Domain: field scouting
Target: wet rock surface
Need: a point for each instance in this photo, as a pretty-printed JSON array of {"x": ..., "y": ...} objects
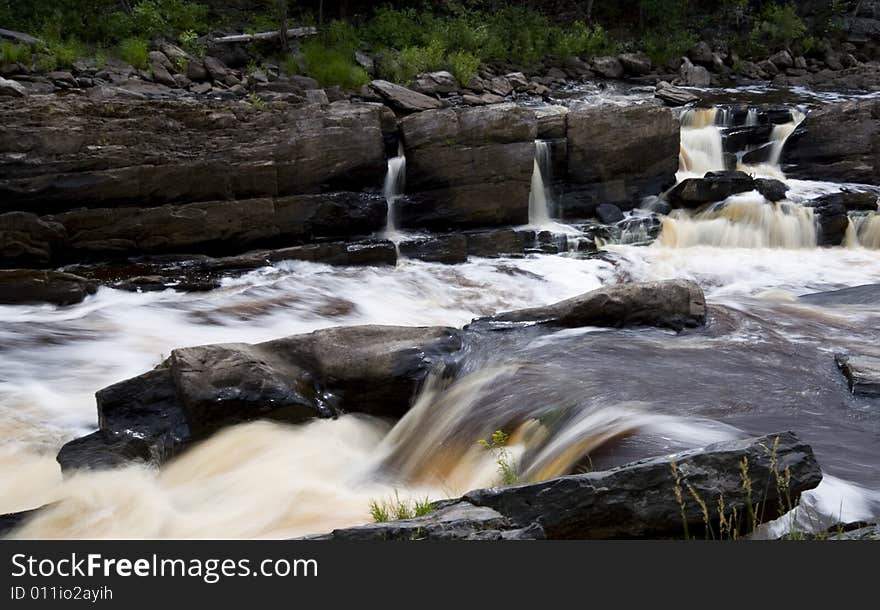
[
  {"x": 862, "y": 373},
  {"x": 22, "y": 286}
]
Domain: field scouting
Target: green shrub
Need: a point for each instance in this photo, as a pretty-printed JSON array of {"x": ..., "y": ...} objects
[
  {"x": 332, "y": 66},
  {"x": 580, "y": 40},
  {"x": 65, "y": 52},
  {"x": 189, "y": 41},
  {"x": 497, "y": 446},
  {"x": 290, "y": 65},
  {"x": 778, "y": 26},
  {"x": 11, "y": 53},
  {"x": 414, "y": 60},
  {"x": 395, "y": 29},
  {"x": 134, "y": 51},
  {"x": 662, "y": 47},
  {"x": 463, "y": 66}
]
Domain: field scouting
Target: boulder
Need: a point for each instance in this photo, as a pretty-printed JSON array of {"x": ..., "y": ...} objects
[
  {"x": 18, "y": 286},
  {"x": 853, "y": 201},
  {"x": 714, "y": 186},
  {"x": 518, "y": 81},
  {"x": 551, "y": 121},
  {"x": 602, "y": 142},
  {"x": 434, "y": 83},
  {"x": 365, "y": 61},
  {"x": 468, "y": 167},
  {"x": 609, "y": 67},
  {"x": 499, "y": 85},
  {"x": 772, "y": 190},
  {"x": 484, "y": 99},
  {"x": 694, "y": 76},
  {"x": 366, "y": 369},
  {"x": 837, "y": 142},
  {"x": 702, "y": 54},
  {"x": 638, "y": 500},
  {"x": 608, "y": 213},
  {"x": 217, "y": 70},
  {"x": 636, "y": 64},
  {"x": 19, "y": 37},
  {"x": 673, "y": 304},
  {"x": 862, "y": 373},
  {"x": 782, "y": 60},
  {"x": 402, "y": 99},
  {"x": 162, "y": 75},
  {"x": 674, "y": 96},
  {"x": 831, "y": 218},
  {"x": 498, "y": 242},
  {"x": 448, "y": 249},
  {"x": 11, "y": 88}
]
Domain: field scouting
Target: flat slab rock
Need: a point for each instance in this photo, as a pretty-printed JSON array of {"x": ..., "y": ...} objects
[
  {"x": 637, "y": 500},
  {"x": 862, "y": 373}
]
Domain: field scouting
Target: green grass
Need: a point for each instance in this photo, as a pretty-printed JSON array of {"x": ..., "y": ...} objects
[
  {"x": 134, "y": 51},
  {"x": 464, "y": 66},
  {"x": 11, "y": 53},
  {"x": 395, "y": 509},
  {"x": 333, "y": 66}
]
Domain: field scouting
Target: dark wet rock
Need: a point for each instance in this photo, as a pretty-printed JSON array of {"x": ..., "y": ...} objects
[
  {"x": 772, "y": 190},
  {"x": 499, "y": 242},
  {"x": 638, "y": 500},
  {"x": 602, "y": 143},
  {"x": 366, "y": 369},
  {"x": 831, "y": 219},
  {"x": 782, "y": 59},
  {"x": 853, "y": 201},
  {"x": 448, "y": 249},
  {"x": 28, "y": 240},
  {"x": 29, "y": 286},
  {"x": 758, "y": 155},
  {"x": 636, "y": 64},
  {"x": 12, "y": 521},
  {"x": 867, "y": 294},
  {"x": 837, "y": 142},
  {"x": 608, "y": 213},
  {"x": 403, "y": 99},
  {"x": 674, "y": 304},
  {"x": 468, "y": 167},
  {"x": 674, "y": 96},
  {"x": 609, "y": 67},
  {"x": 714, "y": 186},
  {"x": 745, "y": 137},
  {"x": 862, "y": 373}
]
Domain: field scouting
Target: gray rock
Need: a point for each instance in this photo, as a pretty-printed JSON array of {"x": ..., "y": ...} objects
[
  {"x": 608, "y": 213},
  {"x": 499, "y": 85},
  {"x": 316, "y": 96},
  {"x": 674, "y": 96},
  {"x": 196, "y": 71},
  {"x": 162, "y": 76},
  {"x": 27, "y": 239},
  {"x": 19, "y": 37},
  {"x": 485, "y": 99},
  {"x": 498, "y": 242},
  {"x": 862, "y": 373},
  {"x": 217, "y": 70},
  {"x": 609, "y": 67},
  {"x": 782, "y": 60},
  {"x": 403, "y": 99},
  {"x": 636, "y": 64},
  {"x": 11, "y": 88},
  {"x": 365, "y": 61},
  {"x": 673, "y": 304},
  {"x": 694, "y": 76},
  {"x": 768, "y": 67},
  {"x": 702, "y": 54},
  {"x": 552, "y": 121},
  {"x": 518, "y": 81},
  {"x": 448, "y": 249},
  {"x": 714, "y": 186},
  {"x": 772, "y": 190},
  {"x": 19, "y": 286},
  {"x": 434, "y": 83},
  {"x": 832, "y": 220},
  {"x": 157, "y": 58}
]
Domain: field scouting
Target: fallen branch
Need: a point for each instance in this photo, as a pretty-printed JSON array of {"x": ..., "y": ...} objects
[{"x": 299, "y": 32}]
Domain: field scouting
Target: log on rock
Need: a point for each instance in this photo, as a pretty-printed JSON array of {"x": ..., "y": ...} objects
[
  {"x": 198, "y": 390},
  {"x": 675, "y": 304},
  {"x": 18, "y": 286},
  {"x": 299, "y": 32},
  {"x": 637, "y": 500}
]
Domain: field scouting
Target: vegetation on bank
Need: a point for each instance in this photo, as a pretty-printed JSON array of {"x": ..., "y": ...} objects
[{"x": 458, "y": 36}]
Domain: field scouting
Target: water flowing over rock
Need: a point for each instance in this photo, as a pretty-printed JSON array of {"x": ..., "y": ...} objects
[
  {"x": 637, "y": 500},
  {"x": 714, "y": 186},
  {"x": 675, "y": 304}
]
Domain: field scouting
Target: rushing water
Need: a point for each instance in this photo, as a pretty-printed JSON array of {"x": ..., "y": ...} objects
[
  {"x": 573, "y": 399},
  {"x": 393, "y": 189}
]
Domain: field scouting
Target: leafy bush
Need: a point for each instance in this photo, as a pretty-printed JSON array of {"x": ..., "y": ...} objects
[
  {"x": 394, "y": 29},
  {"x": 463, "y": 66},
  {"x": 332, "y": 66},
  {"x": 65, "y": 52},
  {"x": 778, "y": 26},
  {"x": 663, "y": 47},
  {"x": 497, "y": 446},
  {"x": 190, "y": 43},
  {"x": 414, "y": 60},
  {"x": 580, "y": 40},
  {"x": 11, "y": 53},
  {"x": 134, "y": 51}
]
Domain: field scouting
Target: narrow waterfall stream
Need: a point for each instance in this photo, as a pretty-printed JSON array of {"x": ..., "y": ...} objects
[
  {"x": 393, "y": 188},
  {"x": 541, "y": 195}
]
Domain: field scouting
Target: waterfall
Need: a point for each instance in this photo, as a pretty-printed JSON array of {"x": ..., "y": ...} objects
[
  {"x": 867, "y": 230},
  {"x": 540, "y": 196},
  {"x": 752, "y": 117},
  {"x": 395, "y": 182},
  {"x": 742, "y": 221},
  {"x": 778, "y": 137},
  {"x": 702, "y": 147}
]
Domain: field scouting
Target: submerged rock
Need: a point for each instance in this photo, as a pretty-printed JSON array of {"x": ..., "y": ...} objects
[
  {"x": 637, "y": 500},
  {"x": 674, "y": 304},
  {"x": 18, "y": 286},
  {"x": 862, "y": 373}
]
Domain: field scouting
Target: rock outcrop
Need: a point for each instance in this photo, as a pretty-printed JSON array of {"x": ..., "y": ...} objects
[
  {"x": 637, "y": 500},
  {"x": 19, "y": 286},
  {"x": 618, "y": 155},
  {"x": 862, "y": 372}
]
